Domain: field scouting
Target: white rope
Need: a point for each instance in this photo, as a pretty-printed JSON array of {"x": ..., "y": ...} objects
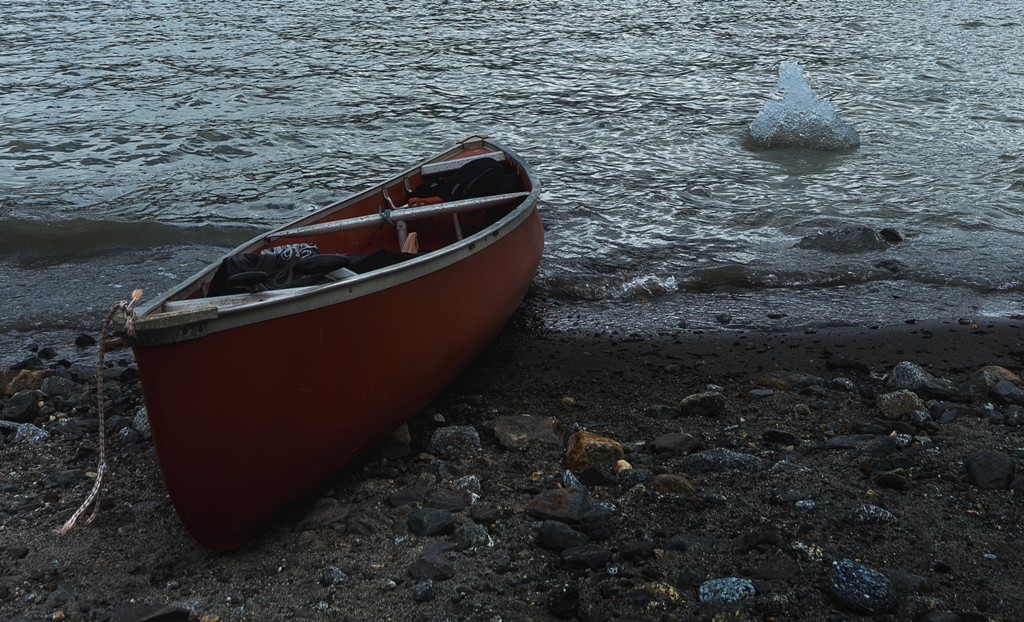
[{"x": 125, "y": 306}]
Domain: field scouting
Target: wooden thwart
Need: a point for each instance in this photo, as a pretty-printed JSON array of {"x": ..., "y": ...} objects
[{"x": 406, "y": 213}]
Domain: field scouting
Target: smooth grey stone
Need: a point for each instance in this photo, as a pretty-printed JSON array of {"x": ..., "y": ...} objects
[
  {"x": 990, "y": 470},
  {"x": 1008, "y": 393},
  {"x": 57, "y": 386},
  {"x": 584, "y": 557},
  {"x": 558, "y": 536},
  {"x": 432, "y": 567},
  {"x": 431, "y": 521}
]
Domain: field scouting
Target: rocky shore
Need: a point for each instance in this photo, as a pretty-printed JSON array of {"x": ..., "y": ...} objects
[{"x": 835, "y": 474}]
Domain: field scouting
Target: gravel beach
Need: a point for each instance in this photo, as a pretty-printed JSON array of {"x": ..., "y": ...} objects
[{"x": 829, "y": 474}]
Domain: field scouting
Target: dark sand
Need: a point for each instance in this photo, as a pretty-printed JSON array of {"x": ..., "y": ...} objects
[{"x": 952, "y": 548}]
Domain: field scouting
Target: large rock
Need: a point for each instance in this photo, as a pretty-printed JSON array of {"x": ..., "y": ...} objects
[
  {"x": 586, "y": 449},
  {"x": 1008, "y": 393},
  {"x": 907, "y": 375},
  {"x": 982, "y": 381},
  {"x": 57, "y": 386},
  {"x": 25, "y": 380},
  {"x": 519, "y": 431},
  {"x": 990, "y": 470}
]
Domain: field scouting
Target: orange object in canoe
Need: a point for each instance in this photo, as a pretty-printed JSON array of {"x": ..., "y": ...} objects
[{"x": 255, "y": 397}]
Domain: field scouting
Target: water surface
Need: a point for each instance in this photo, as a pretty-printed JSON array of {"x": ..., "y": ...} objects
[{"x": 139, "y": 141}]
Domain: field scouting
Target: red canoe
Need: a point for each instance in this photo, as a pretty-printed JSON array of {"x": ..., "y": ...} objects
[{"x": 254, "y": 397}]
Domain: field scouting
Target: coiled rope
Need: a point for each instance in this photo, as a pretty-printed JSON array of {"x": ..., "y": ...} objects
[{"x": 125, "y": 307}]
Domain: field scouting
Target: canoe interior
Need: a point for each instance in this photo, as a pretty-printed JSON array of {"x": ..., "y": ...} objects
[{"x": 433, "y": 233}]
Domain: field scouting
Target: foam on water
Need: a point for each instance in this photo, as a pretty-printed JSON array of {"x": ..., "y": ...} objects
[{"x": 799, "y": 118}]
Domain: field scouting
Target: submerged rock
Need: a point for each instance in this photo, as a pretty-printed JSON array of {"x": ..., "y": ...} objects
[{"x": 844, "y": 240}]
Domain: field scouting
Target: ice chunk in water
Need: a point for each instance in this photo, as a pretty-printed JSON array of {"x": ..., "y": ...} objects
[{"x": 800, "y": 118}]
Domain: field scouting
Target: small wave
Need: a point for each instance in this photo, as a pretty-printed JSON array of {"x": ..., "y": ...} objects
[
  {"x": 800, "y": 118},
  {"x": 69, "y": 240}
]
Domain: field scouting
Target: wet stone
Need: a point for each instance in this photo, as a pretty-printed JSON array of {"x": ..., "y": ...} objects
[
  {"x": 64, "y": 479},
  {"x": 424, "y": 591},
  {"x": 458, "y": 441},
  {"x": 720, "y": 459},
  {"x": 568, "y": 505},
  {"x": 1008, "y": 393},
  {"x": 56, "y": 386},
  {"x": 907, "y": 375},
  {"x": 326, "y": 511},
  {"x": 584, "y": 557},
  {"x": 559, "y": 536},
  {"x": 413, "y": 495},
  {"x": 432, "y": 567},
  {"x": 784, "y": 381},
  {"x": 431, "y": 522},
  {"x": 661, "y": 411},
  {"x": 708, "y": 404},
  {"x": 862, "y": 588},
  {"x": 332, "y": 576},
  {"x": 780, "y": 437},
  {"x": 517, "y": 432},
  {"x": 838, "y": 361},
  {"x": 586, "y": 449},
  {"x": 899, "y": 403},
  {"x": 777, "y": 567},
  {"x": 990, "y": 470},
  {"x": 675, "y": 443},
  {"x": 447, "y": 501},
  {"x": 637, "y": 551},
  {"x": 22, "y": 407},
  {"x": 484, "y": 514},
  {"x": 727, "y": 590},
  {"x": 115, "y": 424},
  {"x": 869, "y": 515},
  {"x": 471, "y": 536},
  {"x": 672, "y": 484},
  {"x": 564, "y": 601},
  {"x": 629, "y": 478},
  {"x": 940, "y": 389}
]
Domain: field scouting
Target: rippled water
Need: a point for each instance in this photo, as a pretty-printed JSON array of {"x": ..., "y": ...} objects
[{"x": 138, "y": 140}]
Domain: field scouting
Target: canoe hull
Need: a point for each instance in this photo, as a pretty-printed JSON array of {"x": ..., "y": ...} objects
[{"x": 247, "y": 419}]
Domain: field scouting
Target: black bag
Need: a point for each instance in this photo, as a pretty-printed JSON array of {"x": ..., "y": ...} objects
[{"x": 482, "y": 177}]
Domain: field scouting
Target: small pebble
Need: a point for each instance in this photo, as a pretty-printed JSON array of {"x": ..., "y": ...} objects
[{"x": 725, "y": 590}]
